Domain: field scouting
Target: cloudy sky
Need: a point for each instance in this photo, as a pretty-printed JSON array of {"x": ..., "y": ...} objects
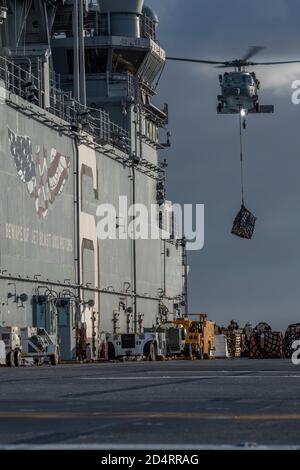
[{"x": 231, "y": 278}]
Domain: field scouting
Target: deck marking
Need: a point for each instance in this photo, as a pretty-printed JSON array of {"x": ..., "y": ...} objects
[
  {"x": 137, "y": 415},
  {"x": 168, "y": 377}
]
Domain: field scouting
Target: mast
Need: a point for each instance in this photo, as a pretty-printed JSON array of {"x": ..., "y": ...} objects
[
  {"x": 82, "y": 82},
  {"x": 76, "y": 50}
]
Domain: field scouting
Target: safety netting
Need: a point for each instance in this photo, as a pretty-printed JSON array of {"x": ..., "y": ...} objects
[{"x": 244, "y": 224}]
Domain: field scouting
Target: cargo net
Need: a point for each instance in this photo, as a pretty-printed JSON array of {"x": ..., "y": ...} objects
[
  {"x": 244, "y": 224},
  {"x": 292, "y": 334},
  {"x": 265, "y": 343},
  {"x": 246, "y": 336}
]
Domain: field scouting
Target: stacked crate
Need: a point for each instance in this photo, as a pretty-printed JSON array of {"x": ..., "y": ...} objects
[
  {"x": 234, "y": 343},
  {"x": 234, "y": 339}
]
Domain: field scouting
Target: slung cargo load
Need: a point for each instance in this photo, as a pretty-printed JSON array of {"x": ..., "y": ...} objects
[{"x": 244, "y": 224}]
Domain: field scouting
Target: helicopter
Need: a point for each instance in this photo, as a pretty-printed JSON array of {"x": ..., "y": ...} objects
[{"x": 239, "y": 88}]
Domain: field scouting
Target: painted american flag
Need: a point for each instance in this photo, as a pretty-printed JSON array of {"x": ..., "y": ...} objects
[{"x": 45, "y": 176}]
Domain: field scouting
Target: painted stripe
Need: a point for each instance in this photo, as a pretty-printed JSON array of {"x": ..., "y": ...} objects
[
  {"x": 178, "y": 377},
  {"x": 258, "y": 416}
]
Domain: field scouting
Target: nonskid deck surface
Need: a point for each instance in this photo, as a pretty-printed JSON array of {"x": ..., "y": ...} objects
[{"x": 225, "y": 402}]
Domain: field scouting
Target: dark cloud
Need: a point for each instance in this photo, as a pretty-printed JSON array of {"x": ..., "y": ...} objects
[{"x": 231, "y": 278}]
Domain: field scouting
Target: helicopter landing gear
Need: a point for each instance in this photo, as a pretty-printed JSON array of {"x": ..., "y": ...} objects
[
  {"x": 220, "y": 107},
  {"x": 244, "y": 123},
  {"x": 257, "y": 107}
]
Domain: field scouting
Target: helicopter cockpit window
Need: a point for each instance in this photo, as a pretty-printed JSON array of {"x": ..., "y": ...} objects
[
  {"x": 236, "y": 78},
  {"x": 247, "y": 79}
]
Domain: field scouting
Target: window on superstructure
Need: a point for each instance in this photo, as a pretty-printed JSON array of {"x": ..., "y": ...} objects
[
  {"x": 151, "y": 130},
  {"x": 95, "y": 60},
  {"x": 127, "y": 61}
]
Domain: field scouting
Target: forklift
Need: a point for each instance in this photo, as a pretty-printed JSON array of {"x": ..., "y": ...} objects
[{"x": 199, "y": 338}]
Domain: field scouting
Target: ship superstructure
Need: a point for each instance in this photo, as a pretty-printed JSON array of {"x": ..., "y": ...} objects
[{"x": 79, "y": 129}]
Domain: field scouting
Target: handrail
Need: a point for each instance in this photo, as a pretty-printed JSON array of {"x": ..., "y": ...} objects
[
  {"x": 21, "y": 81},
  {"x": 95, "y": 26}
]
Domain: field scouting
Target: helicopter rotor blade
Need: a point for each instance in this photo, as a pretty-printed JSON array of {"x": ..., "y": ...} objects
[
  {"x": 275, "y": 63},
  {"x": 252, "y": 51},
  {"x": 235, "y": 63},
  {"x": 227, "y": 65},
  {"x": 197, "y": 61}
]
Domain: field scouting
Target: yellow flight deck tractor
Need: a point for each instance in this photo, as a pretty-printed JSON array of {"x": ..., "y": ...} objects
[{"x": 193, "y": 339}]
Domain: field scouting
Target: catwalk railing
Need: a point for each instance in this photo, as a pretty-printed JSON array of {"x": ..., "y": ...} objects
[
  {"x": 98, "y": 25},
  {"x": 28, "y": 81}
]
